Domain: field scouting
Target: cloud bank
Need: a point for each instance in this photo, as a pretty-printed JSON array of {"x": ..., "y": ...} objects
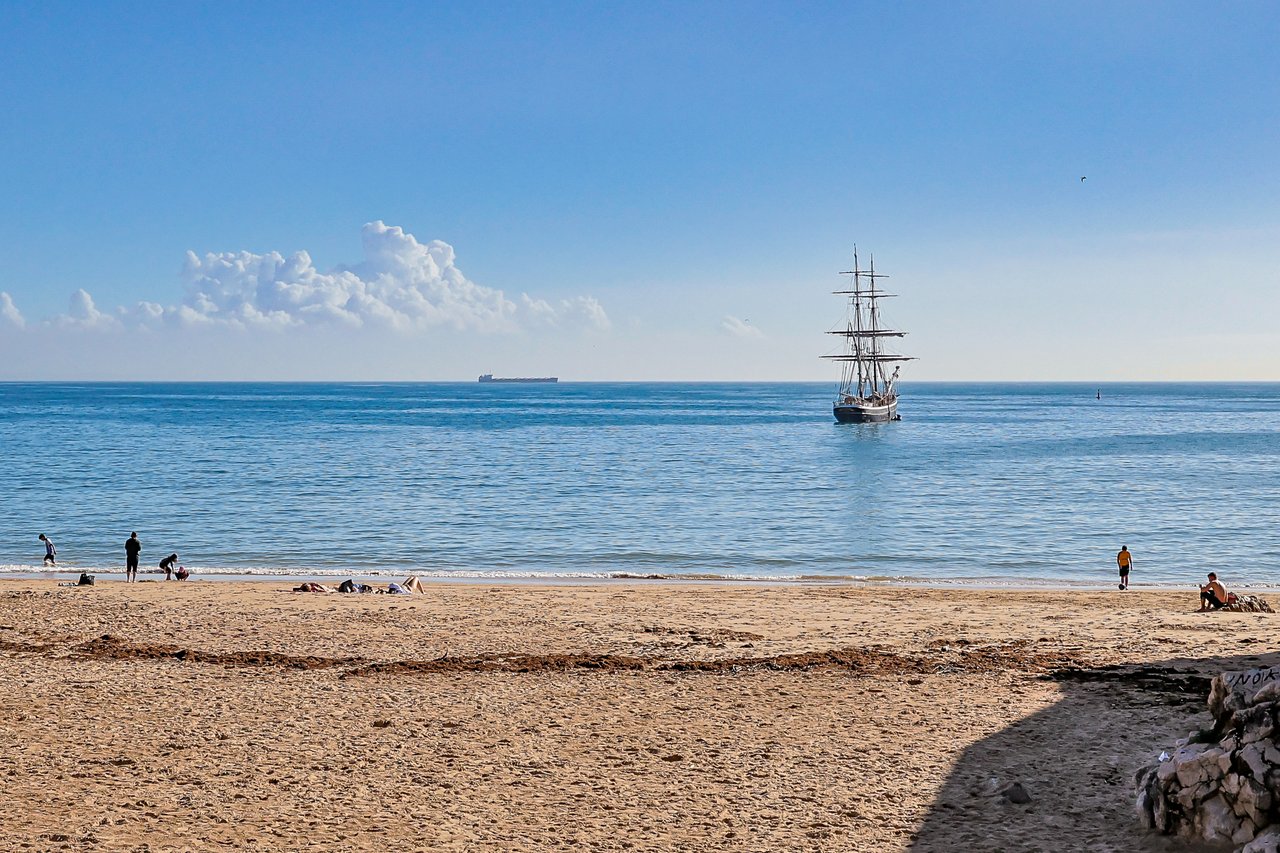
[{"x": 401, "y": 284}]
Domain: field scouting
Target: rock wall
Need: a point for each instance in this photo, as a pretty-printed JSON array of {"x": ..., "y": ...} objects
[{"x": 1223, "y": 786}]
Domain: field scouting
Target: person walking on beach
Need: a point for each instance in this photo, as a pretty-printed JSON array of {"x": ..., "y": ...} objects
[
  {"x": 167, "y": 564},
  {"x": 131, "y": 548},
  {"x": 1125, "y": 561},
  {"x": 50, "y": 551},
  {"x": 1213, "y": 595}
]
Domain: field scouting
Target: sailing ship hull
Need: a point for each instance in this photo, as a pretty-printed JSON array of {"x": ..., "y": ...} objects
[{"x": 855, "y": 413}]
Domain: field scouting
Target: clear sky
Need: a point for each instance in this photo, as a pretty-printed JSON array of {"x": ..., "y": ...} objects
[{"x": 636, "y": 191}]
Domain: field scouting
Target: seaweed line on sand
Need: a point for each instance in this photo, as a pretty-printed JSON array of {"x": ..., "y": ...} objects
[{"x": 1010, "y": 657}]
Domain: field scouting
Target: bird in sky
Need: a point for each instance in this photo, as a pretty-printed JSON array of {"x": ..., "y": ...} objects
[{"x": 1082, "y": 178}]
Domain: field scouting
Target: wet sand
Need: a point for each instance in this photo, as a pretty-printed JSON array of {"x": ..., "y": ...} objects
[{"x": 615, "y": 716}]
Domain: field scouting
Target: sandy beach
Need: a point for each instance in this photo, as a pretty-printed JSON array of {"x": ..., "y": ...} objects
[{"x": 613, "y": 716}]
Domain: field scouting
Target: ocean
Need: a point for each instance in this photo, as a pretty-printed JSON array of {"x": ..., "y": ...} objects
[{"x": 978, "y": 483}]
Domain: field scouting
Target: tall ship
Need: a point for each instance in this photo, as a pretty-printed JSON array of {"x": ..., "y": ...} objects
[
  {"x": 489, "y": 377},
  {"x": 867, "y": 391}
]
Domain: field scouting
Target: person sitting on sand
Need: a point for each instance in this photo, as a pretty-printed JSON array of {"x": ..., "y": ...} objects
[
  {"x": 1213, "y": 595},
  {"x": 167, "y": 564}
]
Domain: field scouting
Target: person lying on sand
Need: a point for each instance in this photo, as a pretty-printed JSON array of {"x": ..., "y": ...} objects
[
  {"x": 412, "y": 584},
  {"x": 308, "y": 586},
  {"x": 1213, "y": 596}
]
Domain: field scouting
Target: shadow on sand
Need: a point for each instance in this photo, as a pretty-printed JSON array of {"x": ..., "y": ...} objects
[{"x": 1077, "y": 761}]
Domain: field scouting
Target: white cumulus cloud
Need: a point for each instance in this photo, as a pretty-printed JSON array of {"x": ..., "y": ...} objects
[
  {"x": 84, "y": 314},
  {"x": 739, "y": 328},
  {"x": 400, "y": 284},
  {"x": 9, "y": 313}
]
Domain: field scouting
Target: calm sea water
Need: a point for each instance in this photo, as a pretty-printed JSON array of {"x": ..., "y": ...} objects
[{"x": 994, "y": 482}]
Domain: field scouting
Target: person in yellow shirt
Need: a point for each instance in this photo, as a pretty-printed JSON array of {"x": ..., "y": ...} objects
[{"x": 1125, "y": 561}]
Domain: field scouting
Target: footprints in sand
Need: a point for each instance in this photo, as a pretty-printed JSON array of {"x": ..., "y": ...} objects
[{"x": 716, "y": 638}]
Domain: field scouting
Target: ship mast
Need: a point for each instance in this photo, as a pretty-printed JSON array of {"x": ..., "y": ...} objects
[
  {"x": 855, "y": 340},
  {"x": 877, "y": 372},
  {"x": 864, "y": 357}
]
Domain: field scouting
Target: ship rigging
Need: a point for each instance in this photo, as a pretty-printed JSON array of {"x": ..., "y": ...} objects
[{"x": 867, "y": 392}]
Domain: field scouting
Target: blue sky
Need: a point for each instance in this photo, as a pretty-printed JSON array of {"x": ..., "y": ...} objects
[{"x": 639, "y": 191}]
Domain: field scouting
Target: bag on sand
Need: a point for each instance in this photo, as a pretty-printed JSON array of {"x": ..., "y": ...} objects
[{"x": 86, "y": 579}]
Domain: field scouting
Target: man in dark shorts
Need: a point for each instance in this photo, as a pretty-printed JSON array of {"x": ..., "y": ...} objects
[
  {"x": 1125, "y": 561},
  {"x": 1213, "y": 595},
  {"x": 131, "y": 548},
  {"x": 50, "y": 552}
]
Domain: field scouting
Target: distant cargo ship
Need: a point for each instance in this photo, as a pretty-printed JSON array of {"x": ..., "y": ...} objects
[{"x": 489, "y": 377}]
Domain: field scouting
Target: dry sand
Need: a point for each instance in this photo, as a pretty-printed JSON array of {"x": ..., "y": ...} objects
[{"x": 618, "y": 716}]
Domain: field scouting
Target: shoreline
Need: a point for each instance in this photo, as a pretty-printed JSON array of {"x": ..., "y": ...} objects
[{"x": 624, "y": 578}]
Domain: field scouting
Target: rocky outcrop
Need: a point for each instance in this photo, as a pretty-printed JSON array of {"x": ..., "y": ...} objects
[{"x": 1223, "y": 785}]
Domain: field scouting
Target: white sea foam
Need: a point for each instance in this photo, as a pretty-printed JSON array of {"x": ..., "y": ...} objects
[{"x": 265, "y": 573}]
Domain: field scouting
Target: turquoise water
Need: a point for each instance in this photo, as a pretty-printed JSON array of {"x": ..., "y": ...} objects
[{"x": 992, "y": 482}]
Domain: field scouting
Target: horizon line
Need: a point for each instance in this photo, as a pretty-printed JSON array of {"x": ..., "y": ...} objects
[{"x": 1087, "y": 382}]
